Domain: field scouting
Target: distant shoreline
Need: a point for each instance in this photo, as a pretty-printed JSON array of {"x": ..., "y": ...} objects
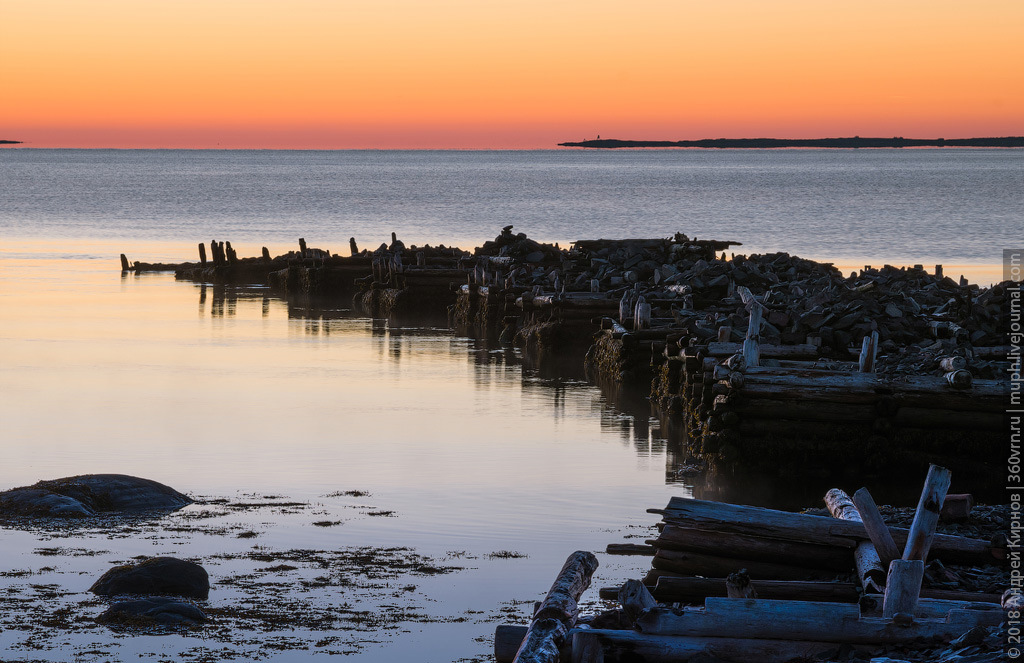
[
  {"x": 10, "y": 142},
  {"x": 762, "y": 143}
]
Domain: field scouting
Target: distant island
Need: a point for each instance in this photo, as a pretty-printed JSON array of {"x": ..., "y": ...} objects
[
  {"x": 10, "y": 142},
  {"x": 761, "y": 143}
]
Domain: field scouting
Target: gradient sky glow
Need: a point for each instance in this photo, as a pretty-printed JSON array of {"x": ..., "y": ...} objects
[{"x": 528, "y": 74}]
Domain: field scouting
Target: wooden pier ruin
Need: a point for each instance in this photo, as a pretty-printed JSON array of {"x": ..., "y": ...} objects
[{"x": 759, "y": 357}]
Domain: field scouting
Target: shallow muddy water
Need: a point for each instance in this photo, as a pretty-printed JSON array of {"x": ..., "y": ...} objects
[{"x": 447, "y": 448}]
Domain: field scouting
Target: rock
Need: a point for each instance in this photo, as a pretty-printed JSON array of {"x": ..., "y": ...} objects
[
  {"x": 157, "y": 575},
  {"x": 161, "y": 610},
  {"x": 90, "y": 494}
]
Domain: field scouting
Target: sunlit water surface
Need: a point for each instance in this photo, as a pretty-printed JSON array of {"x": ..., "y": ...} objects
[
  {"x": 228, "y": 397},
  {"x": 238, "y": 397}
]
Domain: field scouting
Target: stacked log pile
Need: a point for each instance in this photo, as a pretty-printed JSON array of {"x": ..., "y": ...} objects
[{"x": 740, "y": 570}]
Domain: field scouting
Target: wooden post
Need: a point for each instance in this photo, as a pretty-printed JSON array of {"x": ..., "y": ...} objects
[
  {"x": 922, "y": 530},
  {"x": 302, "y": 248},
  {"x": 752, "y": 352},
  {"x": 880, "y": 535},
  {"x": 558, "y": 611},
  {"x": 352, "y": 245},
  {"x": 266, "y": 253},
  {"x": 202, "y": 254},
  {"x": 865, "y": 557},
  {"x": 643, "y": 316},
  {"x": 868, "y": 352},
  {"x": 938, "y": 271},
  {"x": 625, "y": 307},
  {"x": 902, "y": 587},
  {"x": 595, "y": 285},
  {"x": 124, "y": 263}
]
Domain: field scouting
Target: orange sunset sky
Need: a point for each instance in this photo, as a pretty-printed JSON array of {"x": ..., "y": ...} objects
[{"x": 527, "y": 74}]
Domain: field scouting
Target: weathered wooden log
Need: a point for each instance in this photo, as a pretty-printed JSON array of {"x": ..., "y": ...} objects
[
  {"x": 802, "y": 351},
  {"x": 949, "y": 364},
  {"x": 635, "y": 599},
  {"x": 691, "y": 563},
  {"x": 920, "y": 417},
  {"x": 689, "y": 590},
  {"x": 960, "y": 379},
  {"x": 202, "y": 254},
  {"x": 558, "y": 611},
  {"x": 266, "y": 253},
  {"x": 630, "y": 549},
  {"x": 956, "y": 507},
  {"x": 758, "y": 521},
  {"x": 771, "y": 408},
  {"x": 873, "y": 605},
  {"x": 542, "y": 642},
  {"x": 861, "y": 382},
  {"x": 747, "y": 547},
  {"x": 614, "y": 646},
  {"x": 507, "y": 640},
  {"x": 669, "y": 588},
  {"x": 804, "y": 620},
  {"x": 876, "y": 528},
  {"x": 902, "y": 587},
  {"x": 869, "y": 567},
  {"x": 922, "y": 529}
]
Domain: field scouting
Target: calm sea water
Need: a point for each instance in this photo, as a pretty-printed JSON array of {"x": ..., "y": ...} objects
[
  {"x": 238, "y": 395},
  {"x": 896, "y": 206}
]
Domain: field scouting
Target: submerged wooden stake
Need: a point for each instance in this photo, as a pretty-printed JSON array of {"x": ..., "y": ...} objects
[
  {"x": 124, "y": 263},
  {"x": 202, "y": 254}
]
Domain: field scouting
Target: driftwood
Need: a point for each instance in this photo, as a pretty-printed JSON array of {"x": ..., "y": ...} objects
[
  {"x": 635, "y": 599},
  {"x": 689, "y": 589},
  {"x": 630, "y": 549},
  {"x": 876, "y": 528},
  {"x": 902, "y": 587},
  {"x": 922, "y": 530},
  {"x": 558, "y": 611},
  {"x": 757, "y": 521},
  {"x": 804, "y": 620},
  {"x": 690, "y": 563},
  {"x": 744, "y": 546},
  {"x": 869, "y": 567}
]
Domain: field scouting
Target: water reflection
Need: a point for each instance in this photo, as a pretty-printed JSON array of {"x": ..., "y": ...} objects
[{"x": 553, "y": 385}]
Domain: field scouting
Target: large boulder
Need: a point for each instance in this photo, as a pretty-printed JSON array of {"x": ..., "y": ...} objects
[
  {"x": 161, "y": 610},
  {"x": 156, "y": 575},
  {"x": 89, "y": 495}
]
